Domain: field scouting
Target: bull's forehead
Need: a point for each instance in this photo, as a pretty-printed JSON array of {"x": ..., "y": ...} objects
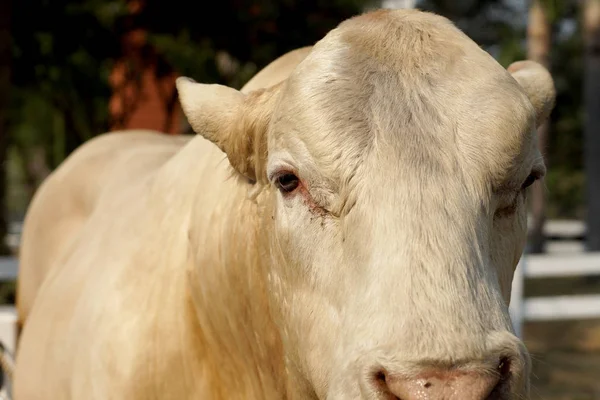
[{"x": 411, "y": 83}]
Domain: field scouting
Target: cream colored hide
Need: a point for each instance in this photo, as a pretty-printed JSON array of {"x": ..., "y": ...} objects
[
  {"x": 65, "y": 201},
  {"x": 70, "y": 204},
  {"x": 362, "y": 246}
]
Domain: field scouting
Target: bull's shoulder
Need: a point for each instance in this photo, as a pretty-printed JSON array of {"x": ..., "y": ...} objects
[
  {"x": 97, "y": 163},
  {"x": 66, "y": 199}
]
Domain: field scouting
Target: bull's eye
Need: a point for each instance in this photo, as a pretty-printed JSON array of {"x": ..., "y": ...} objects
[
  {"x": 287, "y": 182},
  {"x": 529, "y": 181}
]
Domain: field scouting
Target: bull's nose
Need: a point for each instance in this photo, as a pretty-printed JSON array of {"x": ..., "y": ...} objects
[{"x": 444, "y": 384}]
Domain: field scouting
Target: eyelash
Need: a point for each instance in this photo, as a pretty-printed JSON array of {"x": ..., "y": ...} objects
[
  {"x": 531, "y": 179},
  {"x": 509, "y": 210},
  {"x": 289, "y": 184}
]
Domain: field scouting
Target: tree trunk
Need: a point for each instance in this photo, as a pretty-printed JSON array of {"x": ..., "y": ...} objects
[
  {"x": 538, "y": 49},
  {"x": 5, "y": 62},
  {"x": 591, "y": 91}
]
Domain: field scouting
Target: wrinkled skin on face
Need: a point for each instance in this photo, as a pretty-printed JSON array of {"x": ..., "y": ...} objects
[{"x": 391, "y": 171}]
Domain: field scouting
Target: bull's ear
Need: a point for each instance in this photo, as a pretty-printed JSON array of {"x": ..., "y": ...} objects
[
  {"x": 235, "y": 122},
  {"x": 538, "y": 85}
]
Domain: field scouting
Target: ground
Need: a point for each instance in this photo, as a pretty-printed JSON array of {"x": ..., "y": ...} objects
[{"x": 565, "y": 354}]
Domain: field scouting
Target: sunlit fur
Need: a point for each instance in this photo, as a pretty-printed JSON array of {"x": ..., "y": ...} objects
[{"x": 192, "y": 280}]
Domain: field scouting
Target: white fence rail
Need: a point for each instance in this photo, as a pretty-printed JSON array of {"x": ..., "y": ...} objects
[
  {"x": 554, "y": 307},
  {"x": 8, "y": 268},
  {"x": 8, "y": 316}
]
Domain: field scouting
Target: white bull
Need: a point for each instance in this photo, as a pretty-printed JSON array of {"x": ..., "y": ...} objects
[{"x": 359, "y": 243}]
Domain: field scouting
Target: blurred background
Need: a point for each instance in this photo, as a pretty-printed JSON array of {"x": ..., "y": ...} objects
[{"x": 70, "y": 70}]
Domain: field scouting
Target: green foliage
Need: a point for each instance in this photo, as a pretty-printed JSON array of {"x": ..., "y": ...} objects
[
  {"x": 252, "y": 33},
  {"x": 565, "y": 189},
  {"x": 63, "y": 53},
  {"x": 61, "y": 61},
  {"x": 487, "y": 22},
  {"x": 566, "y": 183}
]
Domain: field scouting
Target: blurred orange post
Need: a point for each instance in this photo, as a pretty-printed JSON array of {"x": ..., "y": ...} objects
[{"x": 141, "y": 98}]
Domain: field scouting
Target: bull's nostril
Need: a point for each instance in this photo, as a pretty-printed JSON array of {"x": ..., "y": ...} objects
[
  {"x": 504, "y": 368},
  {"x": 504, "y": 372},
  {"x": 381, "y": 382}
]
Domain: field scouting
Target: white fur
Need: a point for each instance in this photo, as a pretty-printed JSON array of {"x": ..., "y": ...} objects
[{"x": 396, "y": 254}]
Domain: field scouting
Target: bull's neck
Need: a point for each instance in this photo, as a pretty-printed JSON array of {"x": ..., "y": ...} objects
[{"x": 229, "y": 287}]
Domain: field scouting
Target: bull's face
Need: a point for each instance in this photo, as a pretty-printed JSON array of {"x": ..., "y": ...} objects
[{"x": 398, "y": 157}]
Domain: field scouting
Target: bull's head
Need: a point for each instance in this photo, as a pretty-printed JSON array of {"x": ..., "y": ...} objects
[{"x": 394, "y": 164}]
